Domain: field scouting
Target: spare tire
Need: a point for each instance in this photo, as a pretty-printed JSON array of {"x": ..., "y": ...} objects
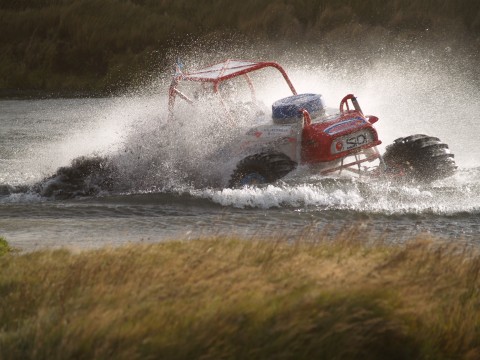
[
  {"x": 288, "y": 110},
  {"x": 420, "y": 158},
  {"x": 261, "y": 168}
]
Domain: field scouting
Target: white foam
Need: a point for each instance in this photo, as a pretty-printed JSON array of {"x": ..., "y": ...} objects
[
  {"x": 444, "y": 197},
  {"x": 280, "y": 196}
]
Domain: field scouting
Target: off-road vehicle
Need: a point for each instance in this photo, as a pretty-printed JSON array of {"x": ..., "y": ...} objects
[{"x": 302, "y": 130}]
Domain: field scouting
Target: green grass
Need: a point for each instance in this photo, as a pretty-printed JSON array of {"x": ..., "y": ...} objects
[
  {"x": 342, "y": 298},
  {"x": 4, "y": 246},
  {"x": 97, "y": 46}
]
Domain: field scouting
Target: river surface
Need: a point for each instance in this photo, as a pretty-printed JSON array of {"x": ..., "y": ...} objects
[{"x": 169, "y": 185}]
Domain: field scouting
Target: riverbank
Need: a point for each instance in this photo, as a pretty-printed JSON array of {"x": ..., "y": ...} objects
[
  {"x": 105, "y": 47},
  {"x": 349, "y": 297}
]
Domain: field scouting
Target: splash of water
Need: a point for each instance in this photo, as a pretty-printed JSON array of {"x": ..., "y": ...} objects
[{"x": 410, "y": 92}]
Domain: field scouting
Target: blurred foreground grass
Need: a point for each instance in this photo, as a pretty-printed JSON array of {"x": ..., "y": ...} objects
[{"x": 218, "y": 298}]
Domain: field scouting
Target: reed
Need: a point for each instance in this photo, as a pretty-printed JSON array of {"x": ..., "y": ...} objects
[{"x": 348, "y": 297}]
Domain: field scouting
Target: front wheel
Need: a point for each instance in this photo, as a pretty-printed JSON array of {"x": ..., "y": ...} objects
[
  {"x": 420, "y": 158},
  {"x": 261, "y": 168}
]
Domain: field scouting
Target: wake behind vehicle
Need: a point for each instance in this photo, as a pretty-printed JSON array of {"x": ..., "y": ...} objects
[{"x": 301, "y": 130}]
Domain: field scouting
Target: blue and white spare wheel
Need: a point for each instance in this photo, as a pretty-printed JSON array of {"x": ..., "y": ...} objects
[{"x": 288, "y": 110}]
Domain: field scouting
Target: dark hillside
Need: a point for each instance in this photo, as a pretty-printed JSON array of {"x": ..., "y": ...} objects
[{"x": 95, "y": 46}]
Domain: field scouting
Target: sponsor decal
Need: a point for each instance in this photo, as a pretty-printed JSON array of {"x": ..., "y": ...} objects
[
  {"x": 345, "y": 125},
  {"x": 352, "y": 141},
  {"x": 271, "y": 132},
  {"x": 254, "y": 132},
  {"x": 356, "y": 141}
]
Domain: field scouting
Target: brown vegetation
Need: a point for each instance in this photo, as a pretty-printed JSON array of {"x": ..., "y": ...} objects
[
  {"x": 342, "y": 298},
  {"x": 97, "y": 46}
]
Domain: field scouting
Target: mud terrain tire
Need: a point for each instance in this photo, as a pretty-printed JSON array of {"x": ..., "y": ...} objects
[
  {"x": 86, "y": 176},
  {"x": 261, "y": 168},
  {"x": 421, "y": 158}
]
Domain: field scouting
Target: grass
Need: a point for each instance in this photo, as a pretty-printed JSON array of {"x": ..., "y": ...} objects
[
  {"x": 89, "y": 46},
  {"x": 342, "y": 298},
  {"x": 4, "y": 247}
]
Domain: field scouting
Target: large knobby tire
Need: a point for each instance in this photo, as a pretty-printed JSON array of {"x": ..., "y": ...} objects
[
  {"x": 261, "y": 168},
  {"x": 86, "y": 176},
  {"x": 420, "y": 158}
]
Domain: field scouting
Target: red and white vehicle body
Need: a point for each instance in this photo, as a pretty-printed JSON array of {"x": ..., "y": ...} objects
[{"x": 300, "y": 128}]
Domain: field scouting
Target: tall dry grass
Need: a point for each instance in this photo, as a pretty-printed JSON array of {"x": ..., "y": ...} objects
[{"x": 342, "y": 298}]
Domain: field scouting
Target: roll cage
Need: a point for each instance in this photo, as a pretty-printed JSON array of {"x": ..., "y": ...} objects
[{"x": 216, "y": 74}]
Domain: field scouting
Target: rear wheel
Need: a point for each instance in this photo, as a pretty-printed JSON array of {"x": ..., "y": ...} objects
[
  {"x": 420, "y": 158},
  {"x": 261, "y": 168}
]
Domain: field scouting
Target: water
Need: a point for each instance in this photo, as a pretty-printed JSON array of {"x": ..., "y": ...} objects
[{"x": 169, "y": 183}]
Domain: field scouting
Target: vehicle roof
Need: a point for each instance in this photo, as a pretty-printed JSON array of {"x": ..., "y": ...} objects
[
  {"x": 217, "y": 73},
  {"x": 221, "y": 71},
  {"x": 227, "y": 69}
]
